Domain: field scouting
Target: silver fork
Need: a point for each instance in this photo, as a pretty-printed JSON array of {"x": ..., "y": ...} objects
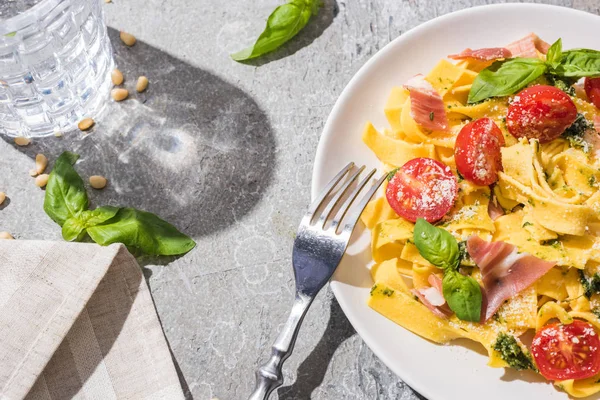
[{"x": 318, "y": 250}]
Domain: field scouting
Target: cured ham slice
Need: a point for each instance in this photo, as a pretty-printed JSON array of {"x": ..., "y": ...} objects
[
  {"x": 433, "y": 298},
  {"x": 487, "y": 54},
  {"x": 528, "y": 46},
  {"x": 426, "y": 105},
  {"x": 505, "y": 272},
  {"x": 494, "y": 210},
  {"x": 597, "y": 123}
]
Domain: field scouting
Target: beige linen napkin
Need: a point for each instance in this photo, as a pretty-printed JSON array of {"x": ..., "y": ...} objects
[{"x": 77, "y": 321}]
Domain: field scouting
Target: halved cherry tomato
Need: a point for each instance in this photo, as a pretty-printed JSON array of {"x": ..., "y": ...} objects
[
  {"x": 477, "y": 151},
  {"x": 540, "y": 112},
  {"x": 422, "y": 188},
  {"x": 567, "y": 351},
  {"x": 592, "y": 90}
]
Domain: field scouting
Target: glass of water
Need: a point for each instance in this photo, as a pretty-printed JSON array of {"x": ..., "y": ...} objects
[{"x": 55, "y": 65}]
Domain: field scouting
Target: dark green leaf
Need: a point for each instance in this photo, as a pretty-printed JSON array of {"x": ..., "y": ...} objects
[
  {"x": 436, "y": 245},
  {"x": 504, "y": 78},
  {"x": 554, "y": 54},
  {"x": 578, "y": 63},
  {"x": 463, "y": 295},
  {"x": 283, "y": 24},
  {"x": 65, "y": 194},
  {"x": 141, "y": 230},
  {"x": 75, "y": 227}
]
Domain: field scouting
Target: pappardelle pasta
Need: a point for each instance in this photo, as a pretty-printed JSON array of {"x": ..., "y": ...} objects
[{"x": 490, "y": 223}]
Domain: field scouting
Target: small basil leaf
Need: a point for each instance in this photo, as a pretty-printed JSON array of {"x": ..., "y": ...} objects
[
  {"x": 554, "y": 54},
  {"x": 282, "y": 25},
  {"x": 579, "y": 63},
  {"x": 504, "y": 78},
  {"x": 391, "y": 174},
  {"x": 75, "y": 227},
  {"x": 463, "y": 295},
  {"x": 65, "y": 194},
  {"x": 436, "y": 245},
  {"x": 141, "y": 230}
]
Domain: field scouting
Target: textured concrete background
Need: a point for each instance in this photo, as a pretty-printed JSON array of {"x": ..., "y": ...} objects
[{"x": 225, "y": 151}]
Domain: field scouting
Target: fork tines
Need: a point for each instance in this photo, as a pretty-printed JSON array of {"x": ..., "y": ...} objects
[{"x": 334, "y": 202}]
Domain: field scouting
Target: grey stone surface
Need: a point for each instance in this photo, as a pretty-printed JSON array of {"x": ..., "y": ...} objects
[{"x": 225, "y": 151}]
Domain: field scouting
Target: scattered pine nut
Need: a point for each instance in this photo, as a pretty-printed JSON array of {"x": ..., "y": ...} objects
[
  {"x": 6, "y": 235},
  {"x": 108, "y": 1},
  {"x": 57, "y": 132},
  {"x": 33, "y": 172},
  {"x": 119, "y": 94},
  {"x": 116, "y": 76},
  {"x": 85, "y": 124},
  {"x": 142, "y": 84},
  {"x": 127, "y": 38},
  {"x": 22, "y": 141},
  {"x": 98, "y": 181},
  {"x": 41, "y": 180},
  {"x": 41, "y": 162},
  {"x": 2, "y": 197}
]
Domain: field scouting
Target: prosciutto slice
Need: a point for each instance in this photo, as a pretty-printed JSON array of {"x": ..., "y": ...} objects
[
  {"x": 505, "y": 272},
  {"x": 528, "y": 46},
  {"x": 433, "y": 298},
  {"x": 426, "y": 105},
  {"x": 495, "y": 211},
  {"x": 597, "y": 123},
  {"x": 487, "y": 54}
]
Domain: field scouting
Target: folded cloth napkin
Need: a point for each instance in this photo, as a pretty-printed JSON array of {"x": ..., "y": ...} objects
[{"x": 77, "y": 321}]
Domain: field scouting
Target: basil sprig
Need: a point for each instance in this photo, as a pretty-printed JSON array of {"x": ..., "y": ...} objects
[
  {"x": 504, "y": 78},
  {"x": 282, "y": 25},
  {"x": 439, "y": 247},
  {"x": 66, "y": 202}
]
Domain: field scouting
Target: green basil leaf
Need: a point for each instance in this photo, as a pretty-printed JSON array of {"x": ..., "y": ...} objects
[
  {"x": 75, "y": 227},
  {"x": 579, "y": 63},
  {"x": 504, "y": 78},
  {"x": 65, "y": 194},
  {"x": 141, "y": 230},
  {"x": 463, "y": 295},
  {"x": 554, "y": 54},
  {"x": 436, "y": 245},
  {"x": 282, "y": 25}
]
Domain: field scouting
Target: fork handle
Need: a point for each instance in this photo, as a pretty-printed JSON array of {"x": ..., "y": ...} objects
[{"x": 269, "y": 377}]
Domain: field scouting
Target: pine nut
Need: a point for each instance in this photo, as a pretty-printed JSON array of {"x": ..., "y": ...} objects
[
  {"x": 57, "y": 132},
  {"x": 41, "y": 180},
  {"x": 142, "y": 84},
  {"x": 85, "y": 124},
  {"x": 119, "y": 94},
  {"x": 41, "y": 162},
  {"x": 33, "y": 172},
  {"x": 127, "y": 38},
  {"x": 22, "y": 141},
  {"x": 117, "y": 77},
  {"x": 2, "y": 197},
  {"x": 98, "y": 181},
  {"x": 6, "y": 235}
]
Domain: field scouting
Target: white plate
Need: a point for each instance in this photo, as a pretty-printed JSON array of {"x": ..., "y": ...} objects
[{"x": 437, "y": 372}]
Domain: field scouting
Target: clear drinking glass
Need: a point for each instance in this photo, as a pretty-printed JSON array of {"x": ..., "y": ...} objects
[{"x": 55, "y": 64}]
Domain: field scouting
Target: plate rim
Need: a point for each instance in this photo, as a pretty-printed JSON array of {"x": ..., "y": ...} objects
[{"x": 404, "y": 374}]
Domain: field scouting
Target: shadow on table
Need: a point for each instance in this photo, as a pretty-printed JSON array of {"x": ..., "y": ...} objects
[
  {"x": 192, "y": 148},
  {"x": 312, "y": 371},
  {"x": 315, "y": 28}
]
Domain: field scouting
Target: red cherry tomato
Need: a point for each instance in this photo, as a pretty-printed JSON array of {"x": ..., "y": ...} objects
[
  {"x": 477, "y": 151},
  {"x": 592, "y": 90},
  {"x": 540, "y": 112},
  {"x": 422, "y": 188},
  {"x": 567, "y": 351}
]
